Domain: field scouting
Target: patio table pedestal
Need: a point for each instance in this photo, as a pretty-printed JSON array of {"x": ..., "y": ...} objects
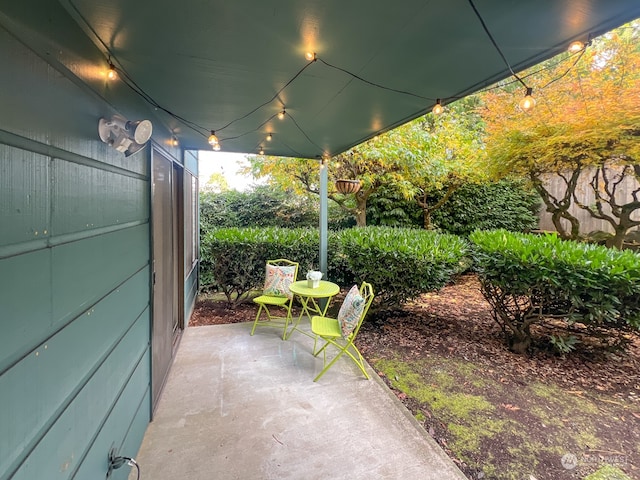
[{"x": 309, "y": 300}]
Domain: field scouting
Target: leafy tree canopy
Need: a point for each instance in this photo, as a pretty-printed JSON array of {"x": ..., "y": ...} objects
[
  {"x": 412, "y": 160},
  {"x": 587, "y": 112},
  {"x": 586, "y": 125}
]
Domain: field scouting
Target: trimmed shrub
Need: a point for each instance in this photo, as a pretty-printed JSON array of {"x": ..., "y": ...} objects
[
  {"x": 233, "y": 259},
  {"x": 389, "y": 207},
  {"x": 402, "y": 263},
  {"x": 338, "y": 268},
  {"x": 265, "y": 207},
  {"x": 529, "y": 279},
  {"x": 506, "y": 204},
  {"x": 261, "y": 207}
]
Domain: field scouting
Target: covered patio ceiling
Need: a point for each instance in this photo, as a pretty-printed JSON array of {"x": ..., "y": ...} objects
[{"x": 195, "y": 66}]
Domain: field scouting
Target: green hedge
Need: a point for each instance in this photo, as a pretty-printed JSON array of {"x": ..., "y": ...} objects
[
  {"x": 529, "y": 279},
  {"x": 265, "y": 207},
  {"x": 400, "y": 263},
  {"x": 506, "y": 204},
  {"x": 403, "y": 263},
  {"x": 232, "y": 260}
]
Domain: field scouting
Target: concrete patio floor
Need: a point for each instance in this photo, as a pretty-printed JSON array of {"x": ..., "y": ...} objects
[{"x": 244, "y": 407}]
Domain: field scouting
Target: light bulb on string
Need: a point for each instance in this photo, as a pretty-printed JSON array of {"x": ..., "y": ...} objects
[
  {"x": 576, "y": 46},
  {"x": 213, "y": 140},
  {"x": 112, "y": 74},
  {"x": 269, "y": 137},
  {"x": 310, "y": 56},
  {"x": 174, "y": 141},
  {"x": 528, "y": 102},
  {"x": 261, "y": 151},
  {"x": 282, "y": 114},
  {"x": 438, "y": 108}
]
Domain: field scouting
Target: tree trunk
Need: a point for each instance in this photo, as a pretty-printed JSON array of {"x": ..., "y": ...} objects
[
  {"x": 556, "y": 218},
  {"x": 361, "y": 210},
  {"x": 519, "y": 342},
  {"x": 426, "y": 214},
  {"x": 427, "y": 209},
  {"x": 559, "y": 208},
  {"x": 605, "y": 183},
  {"x": 618, "y": 239}
]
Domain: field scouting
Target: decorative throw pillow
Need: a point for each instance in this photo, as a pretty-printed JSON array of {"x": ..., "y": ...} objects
[
  {"x": 350, "y": 311},
  {"x": 277, "y": 281}
]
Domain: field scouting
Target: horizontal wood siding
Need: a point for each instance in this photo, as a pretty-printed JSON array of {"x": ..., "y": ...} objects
[{"x": 74, "y": 279}]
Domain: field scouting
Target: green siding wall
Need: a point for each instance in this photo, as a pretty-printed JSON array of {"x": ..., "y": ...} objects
[
  {"x": 191, "y": 161},
  {"x": 74, "y": 279}
]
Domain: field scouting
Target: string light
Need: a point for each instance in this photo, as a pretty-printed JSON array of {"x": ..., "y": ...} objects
[
  {"x": 437, "y": 108},
  {"x": 576, "y": 46},
  {"x": 528, "y": 102},
  {"x": 112, "y": 74},
  {"x": 174, "y": 141}
]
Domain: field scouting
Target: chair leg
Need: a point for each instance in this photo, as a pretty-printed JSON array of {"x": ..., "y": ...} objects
[
  {"x": 269, "y": 318},
  {"x": 286, "y": 323},
  {"x": 358, "y": 361},
  {"x": 341, "y": 350},
  {"x": 327, "y": 367},
  {"x": 255, "y": 323},
  {"x": 315, "y": 340}
]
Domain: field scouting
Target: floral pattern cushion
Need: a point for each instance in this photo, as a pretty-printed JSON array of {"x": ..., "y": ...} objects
[
  {"x": 350, "y": 311},
  {"x": 278, "y": 279}
]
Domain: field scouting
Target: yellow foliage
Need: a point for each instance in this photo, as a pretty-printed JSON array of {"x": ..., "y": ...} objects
[{"x": 588, "y": 116}]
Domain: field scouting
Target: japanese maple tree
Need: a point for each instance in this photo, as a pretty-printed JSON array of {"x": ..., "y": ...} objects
[{"x": 586, "y": 123}]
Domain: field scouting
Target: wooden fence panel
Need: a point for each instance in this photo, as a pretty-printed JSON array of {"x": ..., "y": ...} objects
[{"x": 584, "y": 191}]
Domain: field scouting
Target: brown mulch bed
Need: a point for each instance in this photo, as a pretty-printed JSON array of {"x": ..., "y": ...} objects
[
  {"x": 216, "y": 312},
  {"x": 456, "y": 323}
]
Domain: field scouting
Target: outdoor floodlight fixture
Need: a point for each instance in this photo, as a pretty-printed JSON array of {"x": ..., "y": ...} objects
[{"x": 124, "y": 135}]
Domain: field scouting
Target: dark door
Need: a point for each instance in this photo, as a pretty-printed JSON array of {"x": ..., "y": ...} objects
[{"x": 165, "y": 325}]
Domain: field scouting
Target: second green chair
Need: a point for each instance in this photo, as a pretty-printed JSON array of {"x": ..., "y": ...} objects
[{"x": 341, "y": 332}]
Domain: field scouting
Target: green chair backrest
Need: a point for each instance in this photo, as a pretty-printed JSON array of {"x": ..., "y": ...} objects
[
  {"x": 366, "y": 290},
  {"x": 279, "y": 274}
]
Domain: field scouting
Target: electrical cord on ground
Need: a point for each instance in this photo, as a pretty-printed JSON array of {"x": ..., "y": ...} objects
[{"x": 118, "y": 462}]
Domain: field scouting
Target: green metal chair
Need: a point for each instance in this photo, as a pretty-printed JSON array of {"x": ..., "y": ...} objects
[
  {"x": 342, "y": 331},
  {"x": 279, "y": 275}
]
